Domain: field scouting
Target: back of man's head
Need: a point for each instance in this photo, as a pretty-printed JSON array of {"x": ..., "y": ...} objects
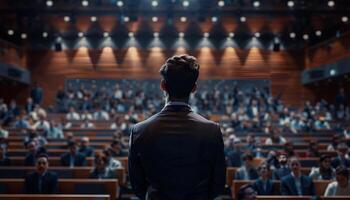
[{"x": 180, "y": 74}]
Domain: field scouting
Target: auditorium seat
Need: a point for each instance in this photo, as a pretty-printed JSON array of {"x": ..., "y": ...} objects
[{"x": 52, "y": 197}]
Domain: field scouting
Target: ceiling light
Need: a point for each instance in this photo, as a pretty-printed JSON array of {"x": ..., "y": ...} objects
[
  {"x": 257, "y": 34},
  {"x": 318, "y": 33},
  {"x": 214, "y": 19},
  {"x": 66, "y": 18},
  {"x": 185, "y": 3},
  {"x": 105, "y": 34},
  {"x": 331, "y": 3},
  {"x": 181, "y": 34},
  {"x": 231, "y": 35},
  {"x": 85, "y": 3},
  {"x": 206, "y": 35},
  {"x": 154, "y": 19},
  {"x": 49, "y": 3},
  {"x": 131, "y": 34},
  {"x": 221, "y": 3},
  {"x": 183, "y": 19},
  {"x": 81, "y": 34},
  {"x": 256, "y": 4},
  {"x": 154, "y": 3},
  {"x": 10, "y": 32},
  {"x": 156, "y": 34},
  {"x": 305, "y": 36},
  {"x": 45, "y": 34},
  {"x": 292, "y": 35},
  {"x": 23, "y": 36},
  {"x": 344, "y": 19},
  {"x": 93, "y": 18},
  {"x": 120, "y": 3},
  {"x": 290, "y": 4},
  {"x": 243, "y": 19},
  {"x": 126, "y": 19}
]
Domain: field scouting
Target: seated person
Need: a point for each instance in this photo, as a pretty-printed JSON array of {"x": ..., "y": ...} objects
[
  {"x": 3, "y": 133},
  {"x": 4, "y": 160},
  {"x": 86, "y": 115},
  {"x": 289, "y": 149},
  {"x": 296, "y": 184},
  {"x": 100, "y": 114},
  {"x": 117, "y": 150},
  {"x": 340, "y": 187},
  {"x": 30, "y": 159},
  {"x": 342, "y": 156},
  {"x": 85, "y": 147},
  {"x": 72, "y": 115},
  {"x": 42, "y": 124},
  {"x": 275, "y": 138},
  {"x": 22, "y": 121},
  {"x": 264, "y": 185},
  {"x": 56, "y": 130},
  {"x": 110, "y": 161},
  {"x": 247, "y": 171},
  {"x": 87, "y": 124},
  {"x": 41, "y": 181},
  {"x": 313, "y": 149},
  {"x": 246, "y": 192},
  {"x": 101, "y": 170},
  {"x": 283, "y": 169},
  {"x": 325, "y": 171},
  {"x": 73, "y": 158}
]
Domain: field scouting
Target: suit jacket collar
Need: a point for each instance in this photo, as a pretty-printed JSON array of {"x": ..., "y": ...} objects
[{"x": 177, "y": 107}]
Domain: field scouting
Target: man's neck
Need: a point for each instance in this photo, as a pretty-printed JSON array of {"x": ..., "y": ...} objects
[{"x": 171, "y": 99}]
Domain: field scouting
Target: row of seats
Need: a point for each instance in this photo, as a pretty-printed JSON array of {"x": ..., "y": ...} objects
[{"x": 52, "y": 197}]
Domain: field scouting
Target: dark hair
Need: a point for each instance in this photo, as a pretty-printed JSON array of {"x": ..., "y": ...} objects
[
  {"x": 343, "y": 171},
  {"x": 247, "y": 157},
  {"x": 42, "y": 155},
  {"x": 241, "y": 192},
  {"x": 180, "y": 73},
  {"x": 262, "y": 165},
  {"x": 115, "y": 142},
  {"x": 323, "y": 157},
  {"x": 71, "y": 144}
]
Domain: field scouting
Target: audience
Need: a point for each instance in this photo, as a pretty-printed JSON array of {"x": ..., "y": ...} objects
[
  {"x": 111, "y": 162},
  {"x": 85, "y": 147},
  {"x": 247, "y": 171},
  {"x": 101, "y": 169},
  {"x": 264, "y": 185},
  {"x": 342, "y": 156},
  {"x": 340, "y": 187},
  {"x": 246, "y": 192},
  {"x": 283, "y": 169},
  {"x": 41, "y": 181},
  {"x": 73, "y": 158},
  {"x": 117, "y": 150},
  {"x": 324, "y": 171},
  {"x": 4, "y": 160}
]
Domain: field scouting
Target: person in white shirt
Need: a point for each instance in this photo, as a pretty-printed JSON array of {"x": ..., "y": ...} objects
[
  {"x": 275, "y": 137},
  {"x": 86, "y": 115},
  {"x": 72, "y": 115},
  {"x": 101, "y": 114},
  {"x": 87, "y": 124},
  {"x": 42, "y": 124},
  {"x": 340, "y": 187},
  {"x": 111, "y": 162}
]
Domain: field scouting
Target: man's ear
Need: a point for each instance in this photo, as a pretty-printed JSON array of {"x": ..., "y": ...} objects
[
  {"x": 194, "y": 88},
  {"x": 163, "y": 85}
]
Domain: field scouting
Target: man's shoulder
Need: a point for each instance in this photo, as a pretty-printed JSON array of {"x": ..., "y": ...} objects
[{"x": 286, "y": 178}]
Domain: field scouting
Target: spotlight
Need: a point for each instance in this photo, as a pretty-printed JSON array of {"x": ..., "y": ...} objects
[
  {"x": 290, "y": 4},
  {"x": 156, "y": 34},
  {"x": 214, "y": 19},
  {"x": 93, "y": 18},
  {"x": 318, "y": 33},
  {"x": 81, "y": 34},
  {"x": 154, "y": 19},
  {"x": 105, "y": 34},
  {"x": 66, "y": 18},
  {"x": 185, "y": 3},
  {"x": 126, "y": 19},
  {"x": 221, "y": 3},
  {"x": 292, "y": 35},
  {"x": 231, "y": 35},
  {"x": 85, "y": 3},
  {"x": 181, "y": 34},
  {"x": 206, "y": 35},
  {"x": 120, "y": 3},
  {"x": 243, "y": 19},
  {"x": 10, "y": 32},
  {"x": 49, "y": 3},
  {"x": 23, "y": 36},
  {"x": 256, "y": 4},
  {"x": 45, "y": 34},
  {"x": 183, "y": 19},
  {"x": 131, "y": 34},
  {"x": 305, "y": 36},
  {"x": 331, "y": 3},
  {"x": 154, "y": 3},
  {"x": 344, "y": 19},
  {"x": 257, "y": 34}
]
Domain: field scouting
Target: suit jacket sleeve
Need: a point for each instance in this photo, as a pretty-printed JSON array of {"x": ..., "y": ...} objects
[
  {"x": 219, "y": 172},
  {"x": 53, "y": 184},
  {"x": 284, "y": 187},
  {"x": 136, "y": 172}
]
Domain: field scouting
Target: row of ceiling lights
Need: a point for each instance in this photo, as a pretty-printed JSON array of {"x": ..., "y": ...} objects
[{"x": 186, "y": 3}]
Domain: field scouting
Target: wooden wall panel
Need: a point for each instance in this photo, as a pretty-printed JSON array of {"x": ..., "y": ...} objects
[{"x": 11, "y": 54}]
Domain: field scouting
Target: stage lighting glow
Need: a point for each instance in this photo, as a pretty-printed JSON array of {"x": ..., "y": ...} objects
[
  {"x": 23, "y": 36},
  {"x": 45, "y": 34},
  {"x": 181, "y": 34},
  {"x": 120, "y": 3},
  {"x": 221, "y": 3},
  {"x": 156, "y": 34},
  {"x": 256, "y": 4},
  {"x": 290, "y": 4},
  {"x": 185, "y": 3},
  {"x": 131, "y": 34},
  {"x": 331, "y": 3},
  {"x": 126, "y": 19},
  {"x": 66, "y": 18},
  {"x": 231, "y": 35},
  {"x": 154, "y": 3},
  {"x": 81, "y": 34},
  {"x": 318, "y": 33},
  {"x": 154, "y": 19},
  {"x": 183, "y": 19},
  {"x": 85, "y": 3},
  {"x": 93, "y": 18},
  {"x": 292, "y": 35},
  {"x": 105, "y": 34},
  {"x": 257, "y": 34},
  {"x": 305, "y": 36},
  {"x": 49, "y": 3},
  {"x": 243, "y": 19},
  {"x": 332, "y": 72},
  {"x": 206, "y": 35},
  {"x": 344, "y": 19},
  {"x": 214, "y": 19},
  {"x": 10, "y": 32}
]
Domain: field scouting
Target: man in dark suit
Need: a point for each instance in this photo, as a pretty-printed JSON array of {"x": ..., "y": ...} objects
[
  {"x": 73, "y": 158},
  {"x": 264, "y": 185},
  {"x": 341, "y": 159},
  {"x": 283, "y": 169},
  {"x": 36, "y": 94},
  {"x": 177, "y": 154},
  {"x": 41, "y": 181},
  {"x": 296, "y": 184}
]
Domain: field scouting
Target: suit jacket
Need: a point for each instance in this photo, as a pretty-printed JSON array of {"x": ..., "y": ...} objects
[
  {"x": 281, "y": 172},
  {"x": 260, "y": 189},
  {"x": 177, "y": 154},
  {"x": 48, "y": 183},
  {"x": 87, "y": 151},
  {"x": 288, "y": 186},
  {"x": 337, "y": 161},
  {"x": 252, "y": 173},
  {"x": 79, "y": 159}
]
